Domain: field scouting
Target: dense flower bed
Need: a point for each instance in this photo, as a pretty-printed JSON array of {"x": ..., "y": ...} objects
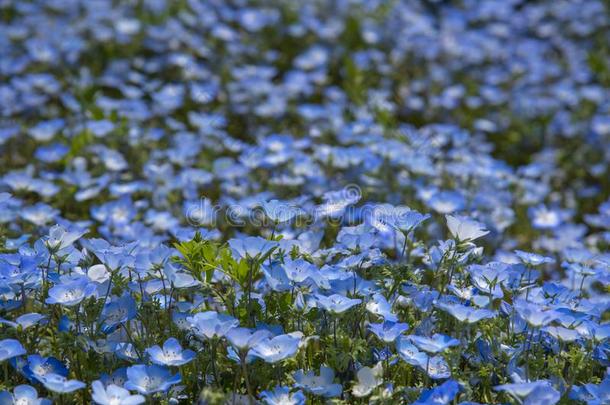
[{"x": 348, "y": 201}]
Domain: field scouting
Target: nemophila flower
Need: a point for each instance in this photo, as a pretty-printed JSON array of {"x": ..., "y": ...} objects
[
  {"x": 45, "y": 130},
  {"x": 357, "y": 238},
  {"x": 113, "y": 395},
  {"x": 336, "y": 202},
  {"x": 410, "y": 353},
  {"x": 441, "y": 395},
  {"x": 388, "y": 331},
  {"x": 59, "y": 383},
  {"x": 22, "y": 395},
  {"x": 282, "y": 396},
  {"x": 543, "y": 395},
  {"x": 561, "y": 333},
  {"x": 278, "y": 211},
  {"x": 435, "y": 344},
  {"x": 126, "y": 351},
  {"x": 25, "y": 321},
  {"x": 39, "y": 214},
  {"x": 591, "y": 393},
  {"x": 244, "y": 338},
  {"x": 10, "y": 348},
  {"x": 38, "y": 367},
  {"x": 117, "y": 311},
  {"x": 437, "y": 368},
  {"x": 545, "y": 218},
  {"x": 446, "y": 202},
  {"x": 406, "y": 219},
  {"x": 211, "y": 324},
  {"x": 320, "y": 385},
  {"x": 336, "y": 303},
  {"x": 171, "y": 354},
  {"x": 251, "y": 247},
  {"x": 465, "y": 229},
  {"x": 300, "y": 270},
  {"x": 466, "y": 314},
  {"x": 150, "y": 379},
  {"x": 71, "y": 292},
  {"x": 275, "y": 276},
  {"x": 521, "y": 390},
  {"x": 275, "y": 349},
  {"x": 380, "y": 306},
  {"x": 59, "y": 238},
  {"x": 533, "y": 259},
  {"x": 593, "y": 330},
  {"x": 118, "y": 377},
  {"x": 489, "y": 278},
  {"x": 534, "y": 314},
  {"x": 368, "y": 379}
]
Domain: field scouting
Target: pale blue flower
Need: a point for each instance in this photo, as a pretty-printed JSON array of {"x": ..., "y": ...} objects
[
  {"x": 320, "y": 385},
  {"x": 171, "y": 354},
  {"x": 114, "y": 395},
  {"x": 282, "y": 396},
  {"x": 336, "y": 303},
  {"x": 10, "y": 348},
  {"x": 22, "y": 395},
  {"x": 150, "y": 379},
  {"x": 211, "y": 324},
  {"x": 275, "y": 349}
]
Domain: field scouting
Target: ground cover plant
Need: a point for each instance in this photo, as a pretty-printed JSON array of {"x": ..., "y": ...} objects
[{"x": 289, "y": 202}]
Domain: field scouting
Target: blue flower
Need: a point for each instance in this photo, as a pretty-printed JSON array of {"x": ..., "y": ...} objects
[
  {"x": 437, "y": 368},
  {"x": 278, "y": 211},
  {"x": 336, "y": 303},
  {"x": 59, "y": 238},
  {"x": 211, "y": 324},
  {"x": 61, "y": 384},
  {"x": 534, "y": 314},
  {"x": 466, "y": 314},
  {"x": 113, "y": 395},
  {"x": 252, "y": 247},
  {"x": 378, "y": 305},
  {"x": 592, "y": 394},
  {"x": 465, "y": 229},
  {"x": 368, "y": 379},
  {"x": 320, "y": 385},
  {"x": 282, "y": 396},
  {"x": 300, "y": 271},
  {"x": 25, "y": 321},
  {"x": 277, "y": 348},
  {"x": 22, "y": 395},
  {"x": 435, "y": 344},
  {"x": 410, "y": 353},
  {"x": 171, "y": 354},
  {"x": 388, "y": 331},
  {"x": 150, "y": 379},
  {"x": 544, "y": 394},
  {"x": 440, "y": 395},
  {"x": 118, "y": 311},
  {"x": 71, "y": 292},
  {"x": 533, "y": 259},
  {"x": 521, "y": 390},
  {"x": 244, "y": 338},
  {"x": 38, "y": 367},
  {"x": 10, "y": 348}
]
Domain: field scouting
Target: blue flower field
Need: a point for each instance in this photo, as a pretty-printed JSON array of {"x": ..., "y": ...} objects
[{"x": 290, "y": 202}]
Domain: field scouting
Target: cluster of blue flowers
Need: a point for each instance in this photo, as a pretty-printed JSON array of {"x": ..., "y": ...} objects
[{"x": 289, "y": 202}]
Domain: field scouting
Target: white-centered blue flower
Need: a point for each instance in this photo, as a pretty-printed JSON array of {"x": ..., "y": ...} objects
[
  {"x": 114, "y": 395},
  {"x": 171, "y": 354}
]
